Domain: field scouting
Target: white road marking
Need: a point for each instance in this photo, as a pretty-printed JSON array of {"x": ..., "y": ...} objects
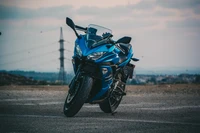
[
  {"x": 86, "y": 106},
  {"x": 124, "y": 105},
  {"x": 34, "y": 104},
  {"x": 26, "y": 99},
  {"x": 20, "y": 99},
  {"x": 151, "y": 108},
  {"x": 170, "y": 108},
  {"x": 38, "y": 101},
  {"x": 121, "y": 105},
  {"x": 103, "y": 119},
  {"x": 50, "y": 103},
  {"x": 25, "y": 104},
  {"x": 136, "y": 106}
]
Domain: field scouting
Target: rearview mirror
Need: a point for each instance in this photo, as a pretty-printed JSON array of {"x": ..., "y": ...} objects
[
  {"x": 125, "y": 40},
  {"x": 70, "y": 23}
]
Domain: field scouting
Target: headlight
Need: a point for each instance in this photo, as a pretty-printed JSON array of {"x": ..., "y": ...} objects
[
  {"x": 78, "y": 50},
  {"x": 95, "y": 56}
]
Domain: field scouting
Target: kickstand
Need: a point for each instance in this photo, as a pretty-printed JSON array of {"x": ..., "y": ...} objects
[{"x": 113, "y": 113}]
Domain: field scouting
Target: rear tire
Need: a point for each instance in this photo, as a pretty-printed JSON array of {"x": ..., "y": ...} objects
[
  {"x": 106, "y": 107},
  {"x": 113, "y": 101},
  {"x": 75, "y": 101}
]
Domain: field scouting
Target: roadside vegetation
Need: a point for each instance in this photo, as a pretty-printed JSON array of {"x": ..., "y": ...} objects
[{"x": 42, "y": 78}]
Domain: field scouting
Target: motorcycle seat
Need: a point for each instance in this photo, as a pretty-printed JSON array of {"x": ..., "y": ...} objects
[{"x": 125, "y": 47}]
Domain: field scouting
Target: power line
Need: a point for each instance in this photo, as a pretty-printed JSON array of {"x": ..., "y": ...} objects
[
  {"x": 40, "y": 64},
  {"x": 23, "y": 50},
  {"x": 28, "y": 58},
  {"x": 44, "y": 63},
  {"x": 67, "y": 50},
  {"x": 43, "y": 54},
  {"x": 41, "y": 32},
  {"x": 33, "y": 48}
]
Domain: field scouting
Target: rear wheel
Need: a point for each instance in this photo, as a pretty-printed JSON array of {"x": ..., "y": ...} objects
[
  {"x": 77, "y": 95},
  {"x": 113, "y": 101}
]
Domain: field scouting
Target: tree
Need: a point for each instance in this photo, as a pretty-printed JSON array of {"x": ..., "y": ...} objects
[{"x": 197, "y": 79}]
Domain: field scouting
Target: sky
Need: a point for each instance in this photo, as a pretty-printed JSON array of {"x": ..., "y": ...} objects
[{"x": 165, "y": 33}]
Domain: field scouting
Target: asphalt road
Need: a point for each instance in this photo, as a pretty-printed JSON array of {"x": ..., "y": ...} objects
[{"x": 41, "y": 111}]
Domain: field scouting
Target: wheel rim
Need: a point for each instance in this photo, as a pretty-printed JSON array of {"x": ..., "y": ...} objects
[
  {"x": 115, "y": 97},
  {"x": 71, "y": 94}
]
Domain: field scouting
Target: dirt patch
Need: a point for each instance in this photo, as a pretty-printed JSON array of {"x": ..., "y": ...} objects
[
  {"x": 136, "y": 89},
  {"x": 34, "y": 87},
  {"x": 165, "y": 89}
]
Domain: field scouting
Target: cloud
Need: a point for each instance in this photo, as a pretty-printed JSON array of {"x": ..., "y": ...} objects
[
  {"x": 11, "y": 12},
  {"x": 143, "y": 5},
  {"x": 197, "y": 10},
  {"x": 14, "y": 12},
  {"x": 17, "y": 12},
  {"x": 116, "y": 11},
  {"x": 193, "y": 5},
  {"x": 178, "y": 4},
  {"x": 104, "y": 12},
  {"x": 58, "y": 11},
  {"x": 146, "y": 13},
  {"x": 164, "y": 13},
  {"x": 186, "y": 23}
]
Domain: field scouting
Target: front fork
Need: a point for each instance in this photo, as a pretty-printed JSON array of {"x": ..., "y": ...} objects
[{"x": 75, "y": 79}]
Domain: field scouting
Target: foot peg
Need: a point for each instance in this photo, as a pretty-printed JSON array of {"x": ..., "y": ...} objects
[{"x": 113, "y": 113}]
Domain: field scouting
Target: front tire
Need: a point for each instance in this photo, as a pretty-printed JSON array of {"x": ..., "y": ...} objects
[{"x": 77, "y": 96}]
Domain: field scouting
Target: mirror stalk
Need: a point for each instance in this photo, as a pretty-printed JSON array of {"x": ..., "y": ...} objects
[
  {"x": 71, "y": 24},
  {"x": 77, "y": 34}
]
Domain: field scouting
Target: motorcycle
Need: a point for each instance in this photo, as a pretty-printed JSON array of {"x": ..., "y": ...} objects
[{"x": 101, "y": 66}]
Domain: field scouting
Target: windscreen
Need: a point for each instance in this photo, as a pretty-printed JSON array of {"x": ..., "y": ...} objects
[{"x": 96, "y": 33}]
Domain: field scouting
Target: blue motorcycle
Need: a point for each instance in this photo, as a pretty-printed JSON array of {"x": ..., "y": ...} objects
[{"x": 102, "y": 67}]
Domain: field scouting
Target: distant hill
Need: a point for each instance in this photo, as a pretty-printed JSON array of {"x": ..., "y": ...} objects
[
  {"x": 11, "y": 79},
  {"x": 50, "y": 77},
  {"x": 167, "y": 71}
]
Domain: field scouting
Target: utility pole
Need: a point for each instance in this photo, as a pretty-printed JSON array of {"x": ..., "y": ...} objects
[{"x": 62, "y": 75}]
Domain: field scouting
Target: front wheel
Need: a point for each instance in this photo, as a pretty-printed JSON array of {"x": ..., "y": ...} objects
[{"x": 77, "y": 95}]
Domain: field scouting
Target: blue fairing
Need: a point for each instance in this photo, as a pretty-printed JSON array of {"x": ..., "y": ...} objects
[
  {"x": 86, "y": 51},
  {"x": 111, "y": 55},
  {"x": 130, "y": 55},
  {"x": 106, "y": 82}
]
